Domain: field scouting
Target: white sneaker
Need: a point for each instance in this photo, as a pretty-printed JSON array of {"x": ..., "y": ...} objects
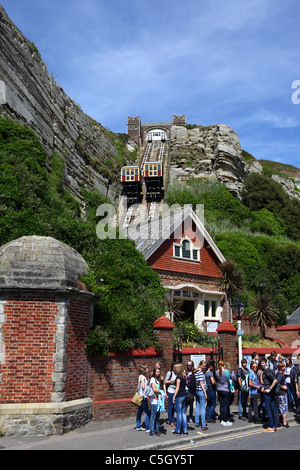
[
  {"x": 226, "y": 423},
  {"x": 223, "y": 423}
]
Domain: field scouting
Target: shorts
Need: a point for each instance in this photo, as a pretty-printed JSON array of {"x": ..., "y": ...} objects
[{"x": 282, "y": 404}]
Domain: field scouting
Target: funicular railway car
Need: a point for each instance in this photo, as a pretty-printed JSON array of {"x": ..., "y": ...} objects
[
  {"x": 153, "y": 175},
  {"x": 131, "y": 184}
]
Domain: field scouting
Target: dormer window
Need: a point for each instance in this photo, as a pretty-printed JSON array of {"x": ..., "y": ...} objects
[{"x": 186, "y": 250}]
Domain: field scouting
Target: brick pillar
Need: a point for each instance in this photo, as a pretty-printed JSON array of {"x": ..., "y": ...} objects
[
  {"x": 227, "y": 341},
  {"x": 164, "y": 329},
  {"x": 44, "y": 321}
]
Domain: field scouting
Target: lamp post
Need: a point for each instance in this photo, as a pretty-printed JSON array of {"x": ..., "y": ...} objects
[
  {"x": 262, "y": 286},
  {"x": 239, "y": 308}
]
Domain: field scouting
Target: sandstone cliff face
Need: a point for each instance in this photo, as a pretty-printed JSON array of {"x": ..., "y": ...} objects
[
  {"x": 215, "y": 152},
  {"x": 30, "y": 96},
  {"x": 212, "y": 152}
]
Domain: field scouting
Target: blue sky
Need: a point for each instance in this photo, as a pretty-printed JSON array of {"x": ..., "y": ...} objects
[{"x": 217, "y": 61}]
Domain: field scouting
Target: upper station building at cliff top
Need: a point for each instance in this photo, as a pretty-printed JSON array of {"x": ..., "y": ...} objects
[{"x": 142, "y": 132}]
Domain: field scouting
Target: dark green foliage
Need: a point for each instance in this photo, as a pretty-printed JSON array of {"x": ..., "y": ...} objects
[
  {"x": 218, "y": 201},
  {"x": 187, "y": 332},
  {"x": 262, "y": 192},
  {"x": 266, "y": 222},
  {"x": 131, "y": 295}
]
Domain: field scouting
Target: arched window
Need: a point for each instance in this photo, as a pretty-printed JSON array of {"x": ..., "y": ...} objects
[{"x": 186, "y": 250}]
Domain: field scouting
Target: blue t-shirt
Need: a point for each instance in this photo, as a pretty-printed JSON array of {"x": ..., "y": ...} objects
[{"x": 253, "y": 377}]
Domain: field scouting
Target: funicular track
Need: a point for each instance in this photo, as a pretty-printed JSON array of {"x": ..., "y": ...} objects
[{"x": 153, "y": 151}]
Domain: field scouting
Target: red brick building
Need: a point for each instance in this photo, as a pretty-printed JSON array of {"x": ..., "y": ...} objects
[{"x": 187, "y": 261}]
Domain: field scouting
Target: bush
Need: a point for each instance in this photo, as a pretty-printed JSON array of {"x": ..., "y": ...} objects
[
  {"x": 131, "y": 294},
  {"x": 262, "y": 192},
  {"x": 219, "y": 203},
  {"x": 266, "y": 222}
]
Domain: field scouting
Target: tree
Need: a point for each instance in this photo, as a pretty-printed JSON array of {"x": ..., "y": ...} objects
[
  {"x": 132, "y": 296},
  {"x": 262, "y": 192},
  {"x": 264, "y": 313},
  {"x": 233, "y": 279}
]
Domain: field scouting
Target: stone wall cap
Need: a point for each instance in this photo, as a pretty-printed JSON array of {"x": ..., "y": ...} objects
[
  {"x": 288, "y": 328},
  {"x": 36, "y": 262},
  {"x": 163, "y": 323},
  {"x": 44, "y": 408}
]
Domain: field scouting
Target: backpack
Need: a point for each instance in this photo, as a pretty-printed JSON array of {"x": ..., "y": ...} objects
[
  {"x": 245, "y": 387},
  {"x": 192, "y": 384},
  {"x": 277, "y": 388},
  {"x": 230, "y": 381},
  {"x": 245, "y": 383},
  {"x": 149, "y": 392}
]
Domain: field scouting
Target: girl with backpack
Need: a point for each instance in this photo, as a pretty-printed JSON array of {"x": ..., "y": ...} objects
[
  {"x": 170, "y": 390},
  {"x": 155, "y": 392},
  {"x": 254, "y": 388},
  {"x": 191, "y": 385},
  {"x": 210, "y": 392},
  {"x": 224, "y": 393},
  {"x": 201, "y": 396},
  {"x": 243, "y": 382},
  {"x": 179, "y": 399},
  {"x": 142, "y": 386},
  {"x": 281, "y": 394}
]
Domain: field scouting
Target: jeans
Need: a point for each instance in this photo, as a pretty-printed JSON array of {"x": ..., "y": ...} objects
[
  {"x": 154, "y": 420},
  {"x": 211, "y": 404},
  {"x": 271, "y": 409},
  {"x": 143, "y": 408},
  {"x": 224, "y": 399},
  {"x": 253, "y": 407},
  {"x": 290, "y": 395},
  {"x": 191, "y": 407},
  {"x": 180, "y": 404},
  {"x": 171, "y": 408},
  {"x": 243, "y": 399},
  {"x": 200, "y": 408},
  {"x": 262, "y": 406}
]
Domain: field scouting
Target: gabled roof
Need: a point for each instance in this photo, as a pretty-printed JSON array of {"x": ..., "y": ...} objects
[
  {"x": 157, "y": 230},
  {"x": 294, "y": 318}
]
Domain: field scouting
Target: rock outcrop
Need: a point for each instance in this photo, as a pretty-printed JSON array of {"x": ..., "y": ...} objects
[
  {"x": 208, "y": 152},
  {"x": 30, "y": 96}
]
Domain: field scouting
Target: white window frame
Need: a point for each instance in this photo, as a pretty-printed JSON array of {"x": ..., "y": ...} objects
[
  {"x": 192, "y": 250},
  {"x": 210, "y": 309}
]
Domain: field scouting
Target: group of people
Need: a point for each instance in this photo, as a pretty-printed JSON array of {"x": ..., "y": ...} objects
[
  {"x": 275, "y": 384},
  {"x": 267, "y": 390}
]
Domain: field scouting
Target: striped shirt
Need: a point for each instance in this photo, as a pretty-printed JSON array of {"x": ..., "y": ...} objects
[{"x": 199, "y": 376}]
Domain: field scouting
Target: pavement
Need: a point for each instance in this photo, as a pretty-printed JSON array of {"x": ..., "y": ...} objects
[{"x": 120, "y": 435}]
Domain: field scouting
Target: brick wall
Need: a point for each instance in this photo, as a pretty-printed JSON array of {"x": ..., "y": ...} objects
[
  {"x": 113, "y": 382},
  {"x": 77, "y": 383},
  {"x": 29, "y": 330}
]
